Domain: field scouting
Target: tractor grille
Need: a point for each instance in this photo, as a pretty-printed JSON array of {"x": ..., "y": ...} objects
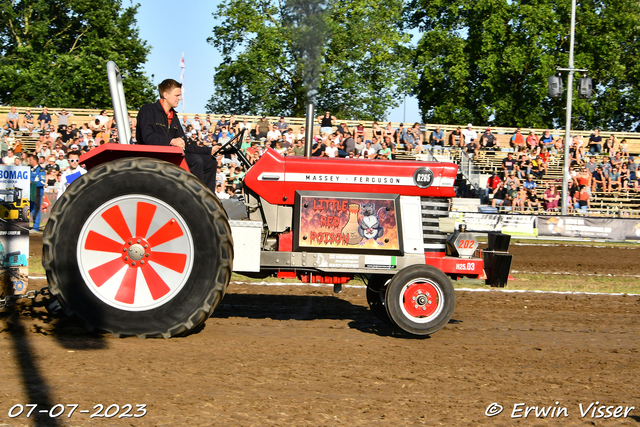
[{"x": 432, "y": 209}]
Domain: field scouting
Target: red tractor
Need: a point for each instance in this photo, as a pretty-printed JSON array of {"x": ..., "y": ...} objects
[{"x": 139, "y": 246}]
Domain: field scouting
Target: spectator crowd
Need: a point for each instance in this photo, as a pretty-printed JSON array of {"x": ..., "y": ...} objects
[{"x": 58, "y": 147}]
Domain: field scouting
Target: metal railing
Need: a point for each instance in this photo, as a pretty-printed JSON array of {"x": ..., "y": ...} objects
[{"x": 470, "y": 170}]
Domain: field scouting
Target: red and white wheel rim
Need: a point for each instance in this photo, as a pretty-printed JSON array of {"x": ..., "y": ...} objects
[
  {"x": 421, "y": 300},
  {"x": 135, "y": 252}
]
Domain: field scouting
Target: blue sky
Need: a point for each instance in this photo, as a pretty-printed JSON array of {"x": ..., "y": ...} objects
[{"x": 174, "y": 27}]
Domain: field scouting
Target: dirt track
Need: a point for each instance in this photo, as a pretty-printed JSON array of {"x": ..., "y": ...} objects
[{"x": 295, "y": 355}]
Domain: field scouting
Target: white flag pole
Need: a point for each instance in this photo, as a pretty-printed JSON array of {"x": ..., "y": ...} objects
[{"x": 182, "y": 79}]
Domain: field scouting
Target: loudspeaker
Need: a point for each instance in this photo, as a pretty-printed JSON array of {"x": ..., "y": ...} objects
[
  {"x": 555, "y": 87},
  {"x": 584, "y": 88}
]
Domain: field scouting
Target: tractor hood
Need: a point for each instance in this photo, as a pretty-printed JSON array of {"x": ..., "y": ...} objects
[{"x": 276, "y": 178}]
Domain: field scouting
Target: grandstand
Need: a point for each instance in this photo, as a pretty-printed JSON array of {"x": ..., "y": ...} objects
[{"x": 474, "y": 171}]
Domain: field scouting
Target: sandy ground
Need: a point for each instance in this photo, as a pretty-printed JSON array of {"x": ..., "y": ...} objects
[{"x": 303, "y": 356}]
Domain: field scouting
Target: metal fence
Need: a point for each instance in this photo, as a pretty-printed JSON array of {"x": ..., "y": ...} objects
[{"x": 469, "y": 170}]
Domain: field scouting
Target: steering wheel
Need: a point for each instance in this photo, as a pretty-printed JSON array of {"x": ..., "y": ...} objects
[{"x": 229, "y": 144}]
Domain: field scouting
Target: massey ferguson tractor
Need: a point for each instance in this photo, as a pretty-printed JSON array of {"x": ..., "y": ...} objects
[{"x": 139, "y": 246}]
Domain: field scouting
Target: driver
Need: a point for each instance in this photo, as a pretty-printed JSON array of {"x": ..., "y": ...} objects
[{"x": 158, "y": 124}]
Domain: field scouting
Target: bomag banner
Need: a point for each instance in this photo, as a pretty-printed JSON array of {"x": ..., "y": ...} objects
[
  {"x": 589, "y": 228},
  {"x": 14, "y": 229}
]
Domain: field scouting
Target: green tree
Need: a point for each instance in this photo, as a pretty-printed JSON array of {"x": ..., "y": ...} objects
[
  {"x": 54, "y": 53},
  {"x": 363, "y": 68},
  {"x": 488, "y": 61}
]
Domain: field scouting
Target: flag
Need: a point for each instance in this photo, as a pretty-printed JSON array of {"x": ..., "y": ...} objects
[{"x": 182, "y": 79}]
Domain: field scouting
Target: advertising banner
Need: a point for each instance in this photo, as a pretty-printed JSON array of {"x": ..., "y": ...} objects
[
  {"x": 339, "y": 223},
  {"x": 48, "y": 199},
  {"x": 522, "y": 225},
  {"x": 14, "y": 228},
  {"x": 589, "y": 228}
]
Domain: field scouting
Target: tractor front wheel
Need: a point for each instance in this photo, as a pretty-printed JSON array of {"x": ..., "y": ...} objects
[
  {"x": 420, "y": 299},
  {"x": 140, "y": 247}
]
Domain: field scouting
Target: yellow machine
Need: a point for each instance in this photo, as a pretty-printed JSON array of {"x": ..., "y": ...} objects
[{"x": 13, "y": 206}]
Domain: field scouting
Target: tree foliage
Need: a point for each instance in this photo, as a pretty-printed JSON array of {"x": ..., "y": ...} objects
[
  {"x": 488, "y": 61},
  {"x": 54, "y": 53},
  {"x": 363, "y": 69}
]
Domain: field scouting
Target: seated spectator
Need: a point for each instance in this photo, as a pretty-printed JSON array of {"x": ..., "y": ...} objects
[
  {"x": 517, "y": 140},
  {"x": 279, "y": 148},
  {"x": 13, "y": 119},
  {"x": 455, "y": 138},
  {"x": 624, "y": 175},
  {"x": 44, "y": 119},
  {"x": 595, "y": 142},
  {"x": 388, "y": 131},
  {"x": 360, "y": 132},
  {"x": 348, "y": 143},
  {"x": 499, "y": 195},
  {"x": 508, "y": 164},
  {"x": 551, "y": 198},
  {"x": 624, "y": 148},
  {"x": 523, "y": 166},
  {"x": 288, "y": 138},
  {"x": 546, "y": 141},
  {"x": 512, "y": 194},
  {"x": 610, "y": 145},
  {"x": 437, "y": 137},
  {"x": 10, "y": 158},
  {"x": 538, "y": 167},
  {"x": 598, "y": 180},
  {"x": 220, "y": 192},
  {"x": 301, "y": 134},
  {"x": 368, "y": 152},
  {"x": 532, "y": 141},
  {"x": 331, "y": 150},
  {"x": 342, "y": 129},
  {"x": 418, "y": 138},
  {"x": 360, "y": 145},
  {"x": 385, "y": 152},
  {"x": 616, "y": 160},
  {"x": 262, "y": 128},
  {"x": 614, "y": 179},
  {"x": 581, "y": 200},
  {"x": 51, "y": 165},
  {"x": 400, "y": 135},
  {"x": 511, "y": 178},
  {"x": 62, "y": 162},
  {"x": 489, "y": 141},
  {"x": 282, "y": 125},
  {"x": 28, "y": 121},
  {"x": 298, "y": 149},
  {"x": 492, "y": 183},
  {"x": 559, "y": 145},
  {"x": 273, "y": 135},
  {"x": 532, "y": 199},
  {"x": 521, "y": 198},
  {"x": 470, "y": 135}
]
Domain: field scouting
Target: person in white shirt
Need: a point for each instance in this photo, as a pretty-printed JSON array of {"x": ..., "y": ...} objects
[
  {"x": 289, "y": 138},
  {"x": 273, "y": 135},
  {"x": 300, "y": 135},
  {"x": 102, "y": 117},
  {"x": 220, "y": 192},
  {"x": 469, "y": 134},
  {"x": 74, "y": 172},
  {"x": 331, "y": 150}
]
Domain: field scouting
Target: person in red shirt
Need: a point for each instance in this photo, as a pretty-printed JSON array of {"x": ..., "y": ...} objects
[{"x": 492, "y": 184}]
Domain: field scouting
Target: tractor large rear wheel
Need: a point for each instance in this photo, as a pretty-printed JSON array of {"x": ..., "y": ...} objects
[{"x": 138, "y": 246}]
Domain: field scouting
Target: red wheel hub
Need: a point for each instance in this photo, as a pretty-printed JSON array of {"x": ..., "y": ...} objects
[{"x": 420, "y": 299}]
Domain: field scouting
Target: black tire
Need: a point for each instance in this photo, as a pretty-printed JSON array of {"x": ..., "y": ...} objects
[
  {"x": 170, "y": 196},
  {"x": 24, "y": 213},
  {"x": 376, "y": 290},
  {"x": 434, "y": 304}
]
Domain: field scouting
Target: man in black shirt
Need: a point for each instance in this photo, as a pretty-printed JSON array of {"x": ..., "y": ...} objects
[{"x": 158, "y": 124}]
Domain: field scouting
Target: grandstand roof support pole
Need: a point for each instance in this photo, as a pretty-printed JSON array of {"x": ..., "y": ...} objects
[{"x": 567, "y": 134}]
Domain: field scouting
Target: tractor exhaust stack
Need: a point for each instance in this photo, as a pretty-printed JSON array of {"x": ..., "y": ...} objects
[{"x": 308, "y": 131}]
